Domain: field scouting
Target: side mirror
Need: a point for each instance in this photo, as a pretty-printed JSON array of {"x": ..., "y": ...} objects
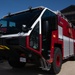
[{"x": 25, "y": 29}]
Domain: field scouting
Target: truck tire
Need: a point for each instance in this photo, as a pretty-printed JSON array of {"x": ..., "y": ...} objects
[
  {"x": 14, "y": 61},
  {"x": 57, "y": 62}
]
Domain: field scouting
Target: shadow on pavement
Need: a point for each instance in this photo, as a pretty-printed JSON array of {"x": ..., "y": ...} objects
[{"x": 28, "y": 70}]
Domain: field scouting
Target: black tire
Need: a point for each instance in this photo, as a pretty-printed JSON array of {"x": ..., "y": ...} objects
[
  {"x": 72, "y": 58},
  {"x": 14, "y": 61},
  {"x": 57, "y": 62}
]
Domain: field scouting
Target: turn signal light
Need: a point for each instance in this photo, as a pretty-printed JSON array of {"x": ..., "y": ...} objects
[{"x": 54, "y": 36}]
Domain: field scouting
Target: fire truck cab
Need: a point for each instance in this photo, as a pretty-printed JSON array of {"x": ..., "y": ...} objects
[{"x": 37, "y": 35}]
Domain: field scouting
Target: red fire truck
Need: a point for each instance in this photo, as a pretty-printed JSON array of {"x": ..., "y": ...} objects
[{"x": 39, "y": 36}]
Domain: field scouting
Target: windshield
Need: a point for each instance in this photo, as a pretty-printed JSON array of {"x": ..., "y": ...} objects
[{"x": 13, "y": 23}]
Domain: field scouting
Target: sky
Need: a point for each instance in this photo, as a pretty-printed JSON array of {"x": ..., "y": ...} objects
[{"x": 13, "y": 6}]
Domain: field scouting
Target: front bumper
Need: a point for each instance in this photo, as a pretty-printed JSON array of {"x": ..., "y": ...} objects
[{"x": 4, "y": 52}]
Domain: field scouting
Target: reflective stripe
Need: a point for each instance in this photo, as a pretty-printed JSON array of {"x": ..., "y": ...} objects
[{"x": 4, "y": 47}]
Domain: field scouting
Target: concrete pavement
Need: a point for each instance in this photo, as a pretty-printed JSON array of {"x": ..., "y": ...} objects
[{"x": 68, "y": 68}]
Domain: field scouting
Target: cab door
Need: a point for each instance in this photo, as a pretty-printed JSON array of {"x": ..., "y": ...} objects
[
  {"x": 48, "y": 25},
  {"x": 34, "y": 40},
  {"x": 46, "y": 39}
]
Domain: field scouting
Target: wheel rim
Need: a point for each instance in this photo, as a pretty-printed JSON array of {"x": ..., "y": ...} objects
[{"x": 58, "y": 61}]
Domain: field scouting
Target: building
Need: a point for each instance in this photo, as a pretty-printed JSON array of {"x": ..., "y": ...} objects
[{"x": 69, "y": 12}]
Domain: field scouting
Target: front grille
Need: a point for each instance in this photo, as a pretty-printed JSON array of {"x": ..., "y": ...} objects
[
  {"x": 16, "y": 41},
  {"x": 12, "y": 41}
]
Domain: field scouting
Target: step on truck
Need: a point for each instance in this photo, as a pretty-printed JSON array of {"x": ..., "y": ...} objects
[{"x": 39, "y": 36}]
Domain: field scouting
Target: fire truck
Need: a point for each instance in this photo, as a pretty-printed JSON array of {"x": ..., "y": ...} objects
[{"x": 39, "y": 36}]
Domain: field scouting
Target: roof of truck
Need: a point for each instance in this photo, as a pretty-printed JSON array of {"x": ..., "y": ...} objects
[{"x": 30, "y": 8}]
